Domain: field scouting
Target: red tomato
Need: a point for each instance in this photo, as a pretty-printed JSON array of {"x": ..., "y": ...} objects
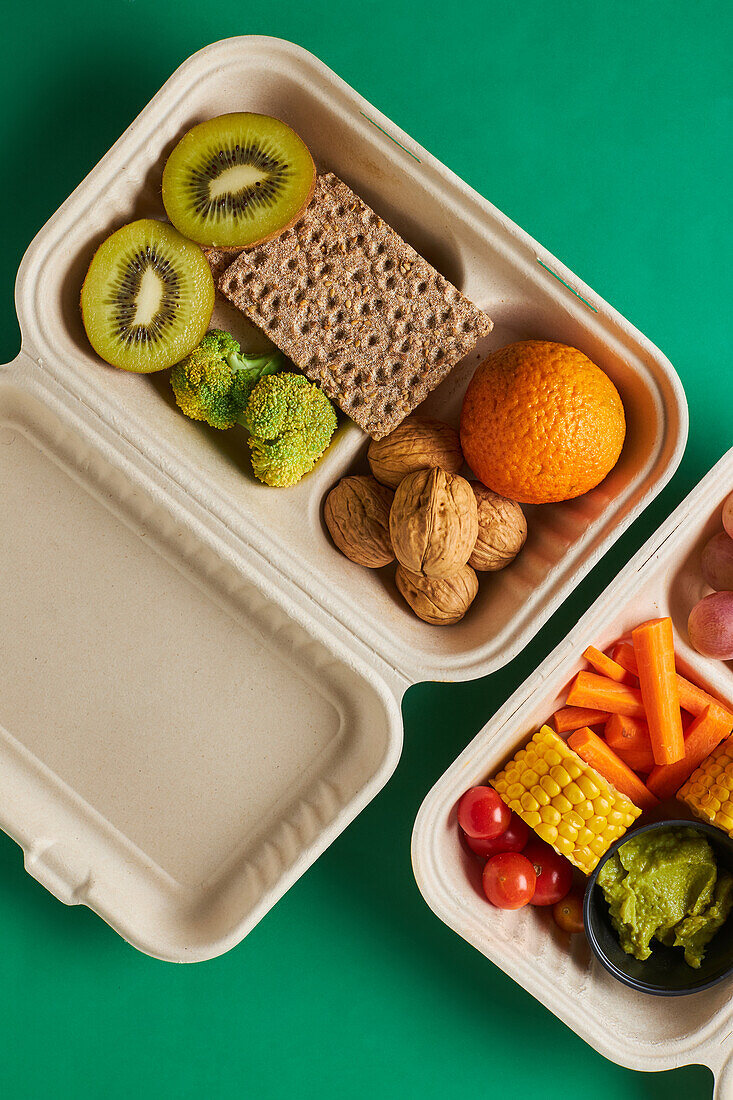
[
  {"x": 509, "y": 880},
  {"x": 568, "y": 913},
  {"x": 513, "y": 839},
  {"x": 481, "y": 813},
  {"x": 554, "y": 872}
]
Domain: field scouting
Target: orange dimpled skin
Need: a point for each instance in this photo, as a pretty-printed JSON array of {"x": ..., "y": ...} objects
[{"x": 541, "y": 423}]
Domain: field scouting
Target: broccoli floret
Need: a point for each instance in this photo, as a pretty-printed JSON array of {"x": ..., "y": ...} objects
[
  {"x": 291, "y": 423},
  {"x": 214, "y": 382}
]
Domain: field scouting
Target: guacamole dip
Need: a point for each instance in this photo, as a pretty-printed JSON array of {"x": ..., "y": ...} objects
[{"x": 665, "y": 883}]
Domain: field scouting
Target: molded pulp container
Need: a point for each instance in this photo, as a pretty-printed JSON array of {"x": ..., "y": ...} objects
[
  {"x": 198, "y": 691},
  {"x": 629, "y": 1027}
]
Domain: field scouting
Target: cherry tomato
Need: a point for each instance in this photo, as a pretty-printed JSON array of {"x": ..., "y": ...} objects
[
  {"x": 513, "y": 839},
  {"x": 554, "y": 872},
  {"x": 509, "y": 880},
  {"x": 568, "y": 913},
  {"x": 481, "y": 813}
]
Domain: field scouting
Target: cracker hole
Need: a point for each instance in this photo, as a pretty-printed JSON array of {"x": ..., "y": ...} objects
[
  {"x": 422, "y": 286},
  {"x": 292, "y": 264},
  {"x": 372, "y": 341}
]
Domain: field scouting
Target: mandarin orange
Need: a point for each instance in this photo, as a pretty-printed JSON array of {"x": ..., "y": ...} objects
[{"x": 541, "y": 422}]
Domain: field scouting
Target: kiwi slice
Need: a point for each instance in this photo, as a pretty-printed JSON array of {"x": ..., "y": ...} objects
[
  {"x": 237, "y": 180},
  {"x": 147, "y": 298}
]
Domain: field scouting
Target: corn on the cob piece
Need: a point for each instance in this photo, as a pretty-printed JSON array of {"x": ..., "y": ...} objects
[
  {"x": 709, "y": 790},
  {"x": 565, "y": 801}
]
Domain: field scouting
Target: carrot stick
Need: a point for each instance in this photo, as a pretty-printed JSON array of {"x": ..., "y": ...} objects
[
  {"x": 573, "y": 718},
  {"x": 590, "y": 690},
  {"x": 595, "y": 752},
  {"x": 706, "y": 732},
  {"x": 605, "y": 666},
  {"x": 623, "y": 654},
  {"x": 692, "y": 698},
  {"x": 639, "y": 761},
  {"x": 629, "y": 738},
  {"x": 654, "y": 650}
]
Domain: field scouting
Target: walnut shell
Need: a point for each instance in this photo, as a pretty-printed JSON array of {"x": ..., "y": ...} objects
[
  {"x": 439, "y": 601},
  {"x": 417, "y": 444},
  {"x": 356, "y": 512},
  {"x": 502, "y": 530},
  {"x": 433, "y": 522}
]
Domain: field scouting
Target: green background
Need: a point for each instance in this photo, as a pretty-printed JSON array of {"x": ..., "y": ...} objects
[{"x": 601, "y": 129}]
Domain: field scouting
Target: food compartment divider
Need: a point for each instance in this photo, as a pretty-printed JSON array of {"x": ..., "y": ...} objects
[{"x": 633, "y": 1029}]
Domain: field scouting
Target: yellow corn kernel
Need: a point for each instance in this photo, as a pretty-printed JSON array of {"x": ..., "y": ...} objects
[
  {"x": 528, "y": 801},
  {"x": 709, "y": 790},
  {"x": 550, "y": 785},
  {"x": 587, "y": 786},
  {"x": 562, "y": 804},
  {"x": 568, "y": 803},
  {"x": 545, "y": 832},
  {"x": 574, "y": 794},
  {"x": 550, "y": 815},
  {"x": 560, "y": 776}
]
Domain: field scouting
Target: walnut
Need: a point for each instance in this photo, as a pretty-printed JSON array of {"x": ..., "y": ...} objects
[
  {"x": 502, "y": 530},
  {"x": 439, "y": 601},
  {"x": 433, "y": 523},
  {"x": 356, "y": 512},
  {"x": 417, "y": 444}
]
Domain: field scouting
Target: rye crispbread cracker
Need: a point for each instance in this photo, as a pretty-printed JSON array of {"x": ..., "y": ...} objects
[
  {"x": 357, "y": 309},
  {"x": 220, "y": 259}
]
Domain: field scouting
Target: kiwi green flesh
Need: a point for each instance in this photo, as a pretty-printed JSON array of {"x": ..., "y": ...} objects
[
  {"x": 147, "y": 298},
  {"x": 237, "y": 180}
]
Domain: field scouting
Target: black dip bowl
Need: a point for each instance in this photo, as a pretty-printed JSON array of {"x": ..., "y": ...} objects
[{"x": 665, "y": 973}]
